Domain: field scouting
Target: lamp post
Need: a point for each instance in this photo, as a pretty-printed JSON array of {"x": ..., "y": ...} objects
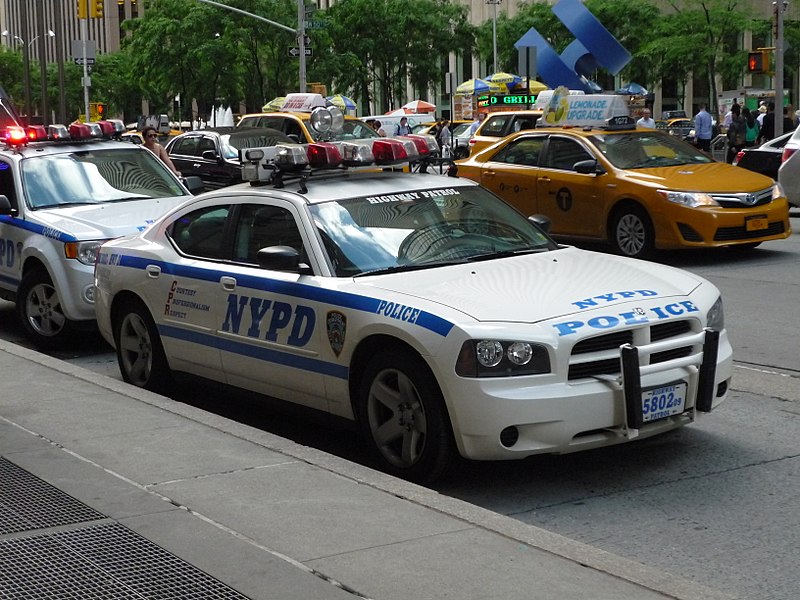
[
  {"x": 26, "y": 65},
  {"x": 494, "y": 4}
]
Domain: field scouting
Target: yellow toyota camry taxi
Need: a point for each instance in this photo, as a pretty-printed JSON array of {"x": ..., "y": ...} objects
[{"x": 598, "y": 177}]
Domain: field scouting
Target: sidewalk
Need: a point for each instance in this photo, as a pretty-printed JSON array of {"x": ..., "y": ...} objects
[{"x": 117, "y": 492}]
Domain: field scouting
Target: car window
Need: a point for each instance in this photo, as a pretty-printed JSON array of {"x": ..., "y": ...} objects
[
  {"x": 205, "y": 143},
  {"x": 201, "y": 232},
  {"x": 261, "y": 226},
  {"x": 524, "y": 151},
  {"x": 522, "y": 123},
  {"x": 563, "y": 153},
  {"x": 495, "y": 125},
  {"x": 643, "y": 149},
  {"x": 187, "y": 145},
  {"x": 95, "y": 176},
  {"x": 7, "y": 188}
]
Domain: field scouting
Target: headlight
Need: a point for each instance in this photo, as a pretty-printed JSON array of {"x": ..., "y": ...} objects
[
  {"x": 715, "y": 317},
  {"x": 690, "y": 199},
  {"x": 777, "y": 191},
  {"x": 85, "y": 252},
  {"x": 501, "y": 358}
]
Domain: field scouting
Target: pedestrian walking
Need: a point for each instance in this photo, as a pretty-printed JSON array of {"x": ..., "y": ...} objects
[{"x": 703, "y": 127}]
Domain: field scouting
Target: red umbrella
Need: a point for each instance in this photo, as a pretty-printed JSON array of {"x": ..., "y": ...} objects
[{"x": 419, "y": 106}]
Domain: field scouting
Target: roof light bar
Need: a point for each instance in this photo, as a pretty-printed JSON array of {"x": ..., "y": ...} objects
[
  {"x": 322, "y": 155},
  {"x": 355, "y": 154},
  {"x": 390, "y": 151}
]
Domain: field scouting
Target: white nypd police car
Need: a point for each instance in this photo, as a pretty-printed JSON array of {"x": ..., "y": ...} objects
[
  {"x": 62, "y": 194},
  {"x": 424, "y": 307}
]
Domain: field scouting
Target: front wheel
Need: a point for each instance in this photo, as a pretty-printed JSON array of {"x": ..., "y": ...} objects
[
  {"x": 632, "y": 232},
  {"x": 140, "y": 354},
  {"x": 40, "y": 312},
  {"x": 402, "y": 414}
]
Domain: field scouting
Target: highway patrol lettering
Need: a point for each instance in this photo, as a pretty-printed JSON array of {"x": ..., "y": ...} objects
[
  {"x": 410, "y": 196},
  {"x": 267, "y": 319},
  {"x": 401, "y": 312},
  {"x": 633, "y": 317}
]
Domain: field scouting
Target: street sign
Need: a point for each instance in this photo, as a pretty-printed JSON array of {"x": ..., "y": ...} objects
[
  {"x": 79, "y": 60},
  {"x": 306, "y": 39},
  {"x": 294, "y": 51},
  {"x": 316, "y": 24}
]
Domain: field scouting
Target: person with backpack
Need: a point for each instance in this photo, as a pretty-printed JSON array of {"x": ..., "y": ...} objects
[
  {"x": 403, "y": 128},
  {"x": 751, "y": 128}
]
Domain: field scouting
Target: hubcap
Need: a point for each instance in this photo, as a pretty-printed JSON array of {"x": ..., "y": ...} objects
[
  {"x": 43, "y": 310},
  {"x": 631, "y": 235},
  {"x": 397, "y": 418},
  {"x": 136, "y": 349}
]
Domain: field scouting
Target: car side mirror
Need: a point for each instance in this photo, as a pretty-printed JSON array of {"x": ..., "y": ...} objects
[
  {"x": 210, "y": 155},
  {"x": 5, "y": 206},
  {"x": 541, "y": 221},
  {"x": 589, "y": 167},
  {"x": 282, "y": 258},
  {"x": 194, "y": 184}
]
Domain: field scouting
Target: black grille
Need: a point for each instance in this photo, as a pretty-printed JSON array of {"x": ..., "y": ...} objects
[
  {"x": 724, "y": 234},
  {"x": 688, "y": 233},
  {"x": 612, "y": 341}
]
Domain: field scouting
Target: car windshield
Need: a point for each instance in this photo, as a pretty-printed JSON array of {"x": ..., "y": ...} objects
[
  {"x": 422, "y": 229},
  {"x": 96, "y": 176},
  {"x": 645, "y": 149},
  {"x": 461, "y": 130}
]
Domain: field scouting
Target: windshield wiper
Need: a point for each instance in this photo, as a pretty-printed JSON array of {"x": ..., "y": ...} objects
[
  {"x": 410, "y": 267},
  {"x": 506, "y": 253}
]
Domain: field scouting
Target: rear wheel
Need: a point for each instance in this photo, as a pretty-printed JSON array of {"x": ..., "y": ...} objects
[
  {"x": 39, "y": 310},
  {"x": 632, "y": 232},
  {"x": 140, "y": 354},
  {"x": 403, "y": 416}
]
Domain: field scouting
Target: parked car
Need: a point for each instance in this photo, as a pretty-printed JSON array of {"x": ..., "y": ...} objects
[
  {"x": 424, "y": 308},
  {"x": 789, "y": 171},
  {"x": 766, "y": 158},
  {"x": 213, "y": 154},
  {"x": 59, "y": 201}
]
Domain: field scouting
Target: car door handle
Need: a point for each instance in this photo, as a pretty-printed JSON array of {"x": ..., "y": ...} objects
[
  {"x": 195, "y": 165},
  {"x": 228, "y": 283},
  {"x": 153, "y": 271},
  {"x": 543, "y": 180}
]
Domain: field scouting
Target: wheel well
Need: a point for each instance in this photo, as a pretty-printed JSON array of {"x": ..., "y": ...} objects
[
  {"x": 120, "y": 299},
  {"x": 31, "y": 264},
  {"x": 624, "y": 204},
  {"x": 366, "y": 349}
]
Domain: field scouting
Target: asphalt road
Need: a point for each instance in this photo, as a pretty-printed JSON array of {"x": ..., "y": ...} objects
[{"x": 714, "y": 502}]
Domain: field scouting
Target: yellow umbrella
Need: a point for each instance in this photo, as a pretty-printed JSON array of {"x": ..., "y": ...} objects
[
  {"x": 478, "y": 86},
  {"x": 274, "y": 105},
  {"x": 507, "y": 79},
  {"x": 536, "y": 86}
]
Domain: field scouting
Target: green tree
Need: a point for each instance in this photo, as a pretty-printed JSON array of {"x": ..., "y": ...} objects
[{"x": 377, "y": 48}]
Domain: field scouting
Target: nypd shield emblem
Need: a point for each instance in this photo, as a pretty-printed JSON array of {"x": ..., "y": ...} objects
[{"x": 337, "y": 329}]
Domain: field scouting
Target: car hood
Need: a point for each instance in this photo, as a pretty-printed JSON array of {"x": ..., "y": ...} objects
[
  {"x": 107, "y": 220},
  {"x": 712, "y": 177},
  {"x": 536, "y": 287}
]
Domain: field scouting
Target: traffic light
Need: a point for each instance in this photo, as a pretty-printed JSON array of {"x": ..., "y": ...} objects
[
  {"x": 83, "y": 11},
  {"x": 101, "y": 110},
  {"x": 96, "y": 8},
  {"x": 758, "y": 61}
]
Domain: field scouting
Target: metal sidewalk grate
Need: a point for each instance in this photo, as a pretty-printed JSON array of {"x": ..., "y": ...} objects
[
  {"x": 27, "y": 502},
  {"x": 107, "y": 561}
]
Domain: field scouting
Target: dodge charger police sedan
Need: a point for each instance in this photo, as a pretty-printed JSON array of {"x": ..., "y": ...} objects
[
  {"x": 62, "y": 194},
  {"x": 423, "y": 307}
]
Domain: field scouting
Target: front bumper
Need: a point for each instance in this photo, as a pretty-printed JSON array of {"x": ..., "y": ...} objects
[{"x": 563, "y": 417}]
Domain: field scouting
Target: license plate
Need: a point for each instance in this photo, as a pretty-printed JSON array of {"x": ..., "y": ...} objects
[
  {"x": 663, "y": 402},
  {"x": 756, "y": 224}
]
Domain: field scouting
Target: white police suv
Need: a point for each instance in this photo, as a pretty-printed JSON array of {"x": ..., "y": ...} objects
[
  {"x": 62, "y": 194},
  {"x": 422, "y": 306}
]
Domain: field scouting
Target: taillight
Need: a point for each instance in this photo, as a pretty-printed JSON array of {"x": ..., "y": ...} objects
[
  {"x": 787, "y": 152},
  {"x": 739, "y": 156}
]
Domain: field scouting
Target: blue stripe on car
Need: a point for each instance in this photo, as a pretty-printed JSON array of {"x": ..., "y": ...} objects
[
  {"x": 425, "y": 320},
  {"x": 49, "y": 232},
  {"x": 265, "y": 354}
]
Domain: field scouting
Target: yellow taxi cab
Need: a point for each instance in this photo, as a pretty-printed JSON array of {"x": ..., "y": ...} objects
[
  {"x": 497, "y": 125},
  {"x": 597, "y": 177},
  {"x": 295, "y": 119}
]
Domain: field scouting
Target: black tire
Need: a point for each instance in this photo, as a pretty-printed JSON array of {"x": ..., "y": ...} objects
[
  {"x": 39, "y": 310},
  {"x": 140, "y": 354},
  {"x": 403, "y": 417},
  {"x": 632, "y": 232}
]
